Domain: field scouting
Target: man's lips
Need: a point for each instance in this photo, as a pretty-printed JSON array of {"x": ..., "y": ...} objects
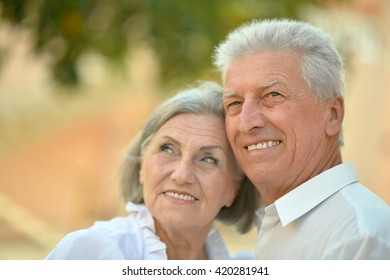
[{"x": 263, "y": 145}]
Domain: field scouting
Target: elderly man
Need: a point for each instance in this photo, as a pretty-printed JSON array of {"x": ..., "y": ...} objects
[{"x": 284, "y": 103}]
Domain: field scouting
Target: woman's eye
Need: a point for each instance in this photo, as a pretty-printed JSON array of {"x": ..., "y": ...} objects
[
  {"x": 210, "y": 159},
  {"x": 167, "y": 149}
]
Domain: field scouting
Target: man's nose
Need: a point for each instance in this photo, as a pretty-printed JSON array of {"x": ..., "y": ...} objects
[
  {"x": 251, "y": 116},
  {"x": 183, "y": 172}
]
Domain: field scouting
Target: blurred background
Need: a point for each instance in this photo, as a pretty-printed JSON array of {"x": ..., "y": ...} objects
[{"x": 79, "y": 77}]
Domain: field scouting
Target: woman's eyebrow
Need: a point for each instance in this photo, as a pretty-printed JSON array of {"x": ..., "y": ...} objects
[
  {"x": 212, "y": 147},
  {"x": 171, "y": 139},
  {"x": 202, "y": 148}
]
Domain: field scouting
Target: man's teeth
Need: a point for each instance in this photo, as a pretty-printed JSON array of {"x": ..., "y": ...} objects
[
  {"x": 263, "y": 145},
  {"x": 180, "y": 196}
]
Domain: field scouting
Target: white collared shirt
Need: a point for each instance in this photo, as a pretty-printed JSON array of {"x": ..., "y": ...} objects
[
  {"x": 126, "y": 238},
  {"x": 331, "y": 216}
]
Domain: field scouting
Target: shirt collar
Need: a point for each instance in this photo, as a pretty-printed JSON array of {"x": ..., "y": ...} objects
[
  {"x": 312, "y": 192},
  {"x": 216, "y": 247}
]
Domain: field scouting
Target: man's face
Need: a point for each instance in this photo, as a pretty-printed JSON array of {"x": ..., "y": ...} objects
[{"x": 276, "y": 128}]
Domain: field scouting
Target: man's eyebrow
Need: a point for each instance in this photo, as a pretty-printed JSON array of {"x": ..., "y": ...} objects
[
  {"x": 229, "y": 94},
  {"x": 270, "y": 83},
  {"x": 261, "y": 86}
]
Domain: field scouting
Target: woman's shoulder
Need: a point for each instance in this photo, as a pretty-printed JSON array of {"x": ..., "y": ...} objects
[
  {"x": 104, "y": 240},
  {"x": 119, "y": 238}
]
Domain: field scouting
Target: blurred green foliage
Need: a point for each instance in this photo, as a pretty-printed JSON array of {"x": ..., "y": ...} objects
[{"x": 182, "y": 33}]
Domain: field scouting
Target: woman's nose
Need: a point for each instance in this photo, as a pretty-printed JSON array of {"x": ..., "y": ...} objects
[
  {"x": 251, "y": 116},
  {"x": 183, "y": 172}
]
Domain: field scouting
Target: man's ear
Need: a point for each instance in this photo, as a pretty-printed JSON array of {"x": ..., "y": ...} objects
[{"x": 336, "y": 116}]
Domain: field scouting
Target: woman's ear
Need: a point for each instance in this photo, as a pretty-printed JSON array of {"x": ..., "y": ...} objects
[
  {"x": 229, "y": 203},
  {"x": 236, "y": 191},
  {"x": 336, "y": 116},
  {"x": 141, "y": 175}
]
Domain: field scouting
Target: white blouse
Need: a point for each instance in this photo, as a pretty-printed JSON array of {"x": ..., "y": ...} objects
[{"x": 125, "y": 238}]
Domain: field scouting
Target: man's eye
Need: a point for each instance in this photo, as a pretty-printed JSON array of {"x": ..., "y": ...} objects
[
  {"x": 273, "y": 98},
  {"x": 234, "y": 103},
  {"x": 232, "y": 106},
  {"x": 274, "y": 94}
]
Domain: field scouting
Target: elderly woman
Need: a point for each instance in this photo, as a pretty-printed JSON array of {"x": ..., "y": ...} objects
[{"x": 178, "y": 176}]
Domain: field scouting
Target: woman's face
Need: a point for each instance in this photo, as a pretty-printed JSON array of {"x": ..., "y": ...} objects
[{"x": 188, "y": 171}]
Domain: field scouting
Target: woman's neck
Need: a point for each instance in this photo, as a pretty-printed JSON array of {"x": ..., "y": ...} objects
[{"x": 184, "y": 244}]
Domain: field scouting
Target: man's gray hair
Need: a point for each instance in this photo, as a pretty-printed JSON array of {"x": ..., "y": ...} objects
[{"x": 321, "y": 64}]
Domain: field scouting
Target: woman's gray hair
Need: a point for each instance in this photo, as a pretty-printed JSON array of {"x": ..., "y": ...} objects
[
  {"x": 204, "y": 99},
  {"x": 321, "y": 64}
]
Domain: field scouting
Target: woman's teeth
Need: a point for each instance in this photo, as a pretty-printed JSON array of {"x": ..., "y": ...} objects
[{"x": 180, "y": 196}]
